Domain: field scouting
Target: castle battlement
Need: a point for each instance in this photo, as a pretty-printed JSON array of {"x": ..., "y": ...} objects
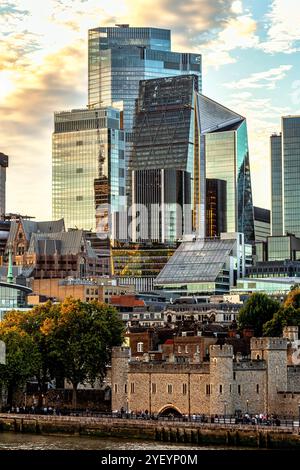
[
  {"x": 221, "y": 350},
  {"x": 268, "y": 344},
  {"x": 120, "y": 352}
]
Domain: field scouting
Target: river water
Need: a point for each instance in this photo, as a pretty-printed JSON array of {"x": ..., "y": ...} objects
[{"x": 12, "y": 441}]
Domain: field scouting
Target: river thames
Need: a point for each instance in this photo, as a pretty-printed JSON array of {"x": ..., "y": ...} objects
[{"x": 14, "y": 441}]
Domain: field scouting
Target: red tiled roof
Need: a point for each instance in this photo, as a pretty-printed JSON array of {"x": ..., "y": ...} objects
[
  {"x": 169, "y": 341},
  {"x": 127, "y": 301}
]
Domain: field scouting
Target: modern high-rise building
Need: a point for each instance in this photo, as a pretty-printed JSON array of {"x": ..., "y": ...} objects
[
  {"x": 166, "y": 138},
  {"x": 164, "y": 198},
  {"x": 3, "y": 166},
  {"x": 262, "y": 224},
  {"x": 88, "y": 145},
  {"x": 285, "y": 176},
  {"x": 276, "y": 185},
  {"x": 224, "y": 146},
  {"x": 215, "y": 210},
  {"x": 119, "y": 57},
  {"x": 178, "y": 127}
]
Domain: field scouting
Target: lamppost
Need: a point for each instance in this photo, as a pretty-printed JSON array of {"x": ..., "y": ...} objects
[
  {"x": 298, "y": 417},
  {"x": 247, "y": 401}
]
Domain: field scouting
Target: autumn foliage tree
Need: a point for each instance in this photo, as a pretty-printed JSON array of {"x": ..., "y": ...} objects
[
  {"x": 71, "y": 340},
  {"x": 80, "y": 339}
]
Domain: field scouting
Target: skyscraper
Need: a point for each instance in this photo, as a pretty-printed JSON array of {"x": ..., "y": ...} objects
[
  {"x": 121, "y": 56},
  {"x": 166, "y": 138},
  {"x": 3, "y": 166},
  {"x": 276, "y": 185},
  {"x": 178, "y": 127},
  {"x": 215, "y": 210},
  {"x": 224, "y": 147},
  {"x": 88, "y": 145},
  {"x": 285, "y": 177}
]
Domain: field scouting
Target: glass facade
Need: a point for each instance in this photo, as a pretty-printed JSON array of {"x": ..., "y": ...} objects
[
  {"x": 164, "y": 194},
  {"x": 200, "y": 267},
  {"x": 166, "y": 135},
  {"x": 216, "y": 213},
  {"x": 12, "y": 296},
  {"x": 225, "y": 144},
  {"x": 262, "y": 223},
  {"x": 279, "y": 248},
  {"x": 276, "y": 185},
  {"x": 291, "y": 174},
  {"x": 86, "y": 145},
  {"x": 119, "y": 57}
]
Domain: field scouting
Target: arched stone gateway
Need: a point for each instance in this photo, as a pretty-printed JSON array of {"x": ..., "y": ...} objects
[{"x": 169, "y": 410}]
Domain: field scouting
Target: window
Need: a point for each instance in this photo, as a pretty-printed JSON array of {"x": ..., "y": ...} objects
[
  {"x": 125, "y": 388},
  {"x": 132, "y": 387},
  {"x": 207, "y": 389},
  {"x": 153, "y": 388},
  {"x": 79, "y": 198},
  {"x": 234, "y": 376},
  {"x": 186, "y": 349},
  {"x": 230, "y": 388},
  {"x": 140, "y": 347},
  {"x": 79, "y": 170},
  {"x": 179, "y": 349},
  {"x": 221, "y": 389},
  {"x": 239, "y": 389},
  {"x": 197, "y": 349},
  {"x": 170, "y": 389},
  {"x": 184, "y": 389},
  {"x": 116, "y": 388},
  {"x": 257, "y": 388}
]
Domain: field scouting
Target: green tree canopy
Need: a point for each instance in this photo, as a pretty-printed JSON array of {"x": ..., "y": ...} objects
[
  {"x": 22, "y": 359},
  {"x": 257, "y": 310},
  {"x": 286, "y": 316},
  {"x": 80, "y": 339}
]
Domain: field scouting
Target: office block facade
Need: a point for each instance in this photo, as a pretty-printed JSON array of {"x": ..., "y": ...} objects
[
  {"x": 121, "y": 56},
  {"x": 163, "y": 196},
  {"x": 87, "y": 144},
  {"x": 216, "y": 213},
  {"x": 285, "y": 177},
  {"x": 224, "y": 144},
  {"x": 167, "y": 138},
  {"x": 276, "y": 184},
  {"x": 262, "y": 224},
  {"x": 291, "y": 174}
]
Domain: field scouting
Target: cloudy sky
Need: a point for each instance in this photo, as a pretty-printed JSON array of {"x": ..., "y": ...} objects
[{"x": 251, "y": 64}]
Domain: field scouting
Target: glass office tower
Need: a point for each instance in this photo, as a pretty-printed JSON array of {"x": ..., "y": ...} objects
[
  {"x": 224, "y": 143},
  {"x": 121, "y": 56},
  {"x": 276, "y": 185},
  {"x": 285, "y": 177},
  {"x": 167, "y": 137},
  {"x": 291, "y": 174},
  {"x": 87, "y": 145}
]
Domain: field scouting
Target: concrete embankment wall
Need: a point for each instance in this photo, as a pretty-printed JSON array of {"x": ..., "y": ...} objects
[{"x": 177, "y": 432}]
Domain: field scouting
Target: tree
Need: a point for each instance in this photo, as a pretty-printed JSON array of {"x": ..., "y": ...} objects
[
  {"x": 257, "y": 310},
  {"x": 31, "y": 323},
  {"x": 293, "y": 298},
  {"x": 22, "y": 359},
  {"x": 80, "y": 339},
  {"x": 286, "y": 316}
]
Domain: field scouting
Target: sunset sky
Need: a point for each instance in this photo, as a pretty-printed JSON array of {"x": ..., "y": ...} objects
[{"x": 251, "y": 63}]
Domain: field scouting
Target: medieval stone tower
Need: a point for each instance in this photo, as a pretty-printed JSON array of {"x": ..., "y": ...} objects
[
  {"x": 119, "y": 369},
  {"x": 274, "y": 352},
  {"x": 221, "y": 377}
]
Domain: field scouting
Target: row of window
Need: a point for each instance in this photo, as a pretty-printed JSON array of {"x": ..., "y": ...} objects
[{"x": 208, "y": 389}]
